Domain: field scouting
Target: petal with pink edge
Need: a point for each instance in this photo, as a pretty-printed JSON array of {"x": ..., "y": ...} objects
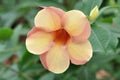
[
  {"x": 38, "y": 42},
  {"x": 58, "y": 11},
  {"x": 84, "y": 35},
  {"x": 43, "y": 60},
  {"x": 79, "y": 53},
  {"x": 48, "y": 20},
  {"x": 57, "y": 59},
  {"x": 76, "y": 23}
]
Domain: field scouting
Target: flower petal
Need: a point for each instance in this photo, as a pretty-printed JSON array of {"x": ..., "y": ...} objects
[
  {"x": 38, "y": 41},
  {"x": 43, "y": 60},
  {"x": 57, "y": 60},
  {"x": 79, "y": 53},
  {"x": 58, "y": 11},
  {"x": 75, "y": 22},
  {"x": 48, "y": 19},
  {"x": 84, "y": 35}
]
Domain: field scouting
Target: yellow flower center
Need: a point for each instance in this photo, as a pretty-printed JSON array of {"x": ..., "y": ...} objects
[{"x": 61, "y": 36}]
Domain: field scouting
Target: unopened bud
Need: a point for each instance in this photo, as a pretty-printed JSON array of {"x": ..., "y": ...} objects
[{"x": 94, "y": 13}]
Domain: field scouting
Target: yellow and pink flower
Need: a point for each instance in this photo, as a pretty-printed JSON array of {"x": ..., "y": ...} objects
[{"x": 60, "y": 37}]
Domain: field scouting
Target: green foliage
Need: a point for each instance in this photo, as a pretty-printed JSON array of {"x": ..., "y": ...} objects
[
  {"x": 100, "y": 39},
  {"x": 17, "y": 18},
  {"x": 47, "y": 76},
  {"x": 5, "y": 33},
  {"x": 87, "y": 5}
]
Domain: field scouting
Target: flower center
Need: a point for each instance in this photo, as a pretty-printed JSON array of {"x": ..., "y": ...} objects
[{"x": 61, "y": 36}]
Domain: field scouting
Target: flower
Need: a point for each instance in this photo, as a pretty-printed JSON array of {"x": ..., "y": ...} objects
[
  {"x": 94, "y": 13},
  {"x": 60, "y": 37}
]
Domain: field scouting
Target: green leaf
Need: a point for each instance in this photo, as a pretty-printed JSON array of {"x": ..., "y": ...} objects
[
  {"x": 117, "y": 75},
  {"x": 116, "y": 21},
  {"x": 116, "y": 25},
  {"x": 5, "y": 33},
  {"x": 114, "y": 38},
  {"x": 87, "y": 5},
  {"x": 6, "y": 51},
  {"x": 48, "y": 76},
  {"x": 99, "y": 39},
  {"x": 27, "y": 60},
  {"x": 111, "y": 49},
  {"x": 84, "y": 73},
  {"x": 9, "y": 18},
  {"x": 16, "y": 34},
  {"x": 2, "y": 79},
  {"x": 32, "y": 4},
  {"x": 118, "y": 2},
  {"x": 10, "y": 3},
  {"x": 101, "y": 58}
]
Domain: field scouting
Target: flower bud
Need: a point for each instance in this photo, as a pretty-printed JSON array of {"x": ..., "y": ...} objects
[{"x": 94, "y": 13}]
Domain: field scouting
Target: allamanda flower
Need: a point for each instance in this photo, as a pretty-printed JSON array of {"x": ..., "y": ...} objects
[{"x": 60, "y": 37}]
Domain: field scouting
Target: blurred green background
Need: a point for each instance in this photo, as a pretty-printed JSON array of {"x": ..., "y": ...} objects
[{"x": 17, "y": 18}]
